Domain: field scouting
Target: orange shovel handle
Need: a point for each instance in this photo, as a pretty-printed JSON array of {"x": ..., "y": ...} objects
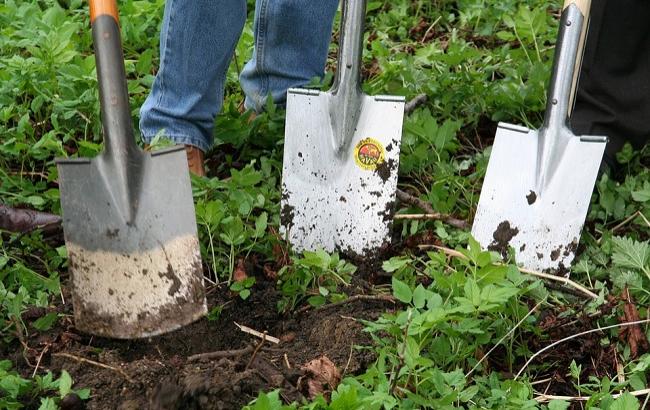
[{"x": 103, "y": 7}]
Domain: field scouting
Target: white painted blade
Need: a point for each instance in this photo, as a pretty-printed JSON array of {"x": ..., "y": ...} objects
[
  {"x": 543, "y": 228},
  {"x": 333, "y": 200}
]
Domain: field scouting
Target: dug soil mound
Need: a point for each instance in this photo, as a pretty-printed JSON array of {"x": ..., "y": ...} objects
[{"x": 174, "y": 372}]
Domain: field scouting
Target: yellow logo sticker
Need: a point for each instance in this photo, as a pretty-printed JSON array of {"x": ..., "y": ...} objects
[{"x": 369, "y": 153}]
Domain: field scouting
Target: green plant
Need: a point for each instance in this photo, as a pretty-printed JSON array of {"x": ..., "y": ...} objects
[
  {"x": 14, "y": 390},
  {"x": 316, "y": 277}
]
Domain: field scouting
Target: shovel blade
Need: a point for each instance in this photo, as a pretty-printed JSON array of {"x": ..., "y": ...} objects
[
  {"x": 340, "y": 199},
  {"x": 134, "y": 274},
  {"x": 543, "y": 227}
]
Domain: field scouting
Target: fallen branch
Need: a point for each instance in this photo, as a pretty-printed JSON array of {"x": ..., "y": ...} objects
[
  {"x": 255, "y": 333},
  {"x": 26, "y": 220},
  {"x": 220, "y": 354},
  {"x": 416, "y": 102},
  {"x": 566, "y": 339},
  {"x": 351, "y": 299},
  {"x": 561, "y": 279},
  {"x": 543, "y": 398},
  {"x": 430, "y": 212},
  {"x": 97, "y": 364}
]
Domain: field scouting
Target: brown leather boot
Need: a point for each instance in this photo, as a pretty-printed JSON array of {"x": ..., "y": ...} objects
[{"x": 195, "y": 158}]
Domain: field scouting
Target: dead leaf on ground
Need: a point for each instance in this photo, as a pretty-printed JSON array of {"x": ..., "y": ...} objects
[
  {"x": 633, "y": 335},
  {"x": 239, "y": 275},
  {"x": 321, "y": 377}
]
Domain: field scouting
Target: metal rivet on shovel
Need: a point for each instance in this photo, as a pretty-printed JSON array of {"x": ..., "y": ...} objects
[
  {"x": 128, "y": 217},
  {"x": 341, "y": 156},
  {"x": 538, "y": 184}
]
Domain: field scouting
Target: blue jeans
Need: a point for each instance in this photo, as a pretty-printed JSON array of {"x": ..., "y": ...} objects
[{"x": 197, "y": 42}]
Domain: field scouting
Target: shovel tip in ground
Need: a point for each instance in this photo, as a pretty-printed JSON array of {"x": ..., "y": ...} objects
[
  {"x": 132, "y": 277},
  {"x": 544, "y": 228}
]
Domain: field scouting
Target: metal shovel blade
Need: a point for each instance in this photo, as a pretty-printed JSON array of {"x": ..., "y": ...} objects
[
  {"x": 135, "y": 264},
  {"x": 543, "y": 227},
  {"x": 538, "y": 184},
  {"x": 340, "y": 199}
]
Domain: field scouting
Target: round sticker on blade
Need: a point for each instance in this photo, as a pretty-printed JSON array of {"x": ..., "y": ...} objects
[{"x": 369, "y": 153}]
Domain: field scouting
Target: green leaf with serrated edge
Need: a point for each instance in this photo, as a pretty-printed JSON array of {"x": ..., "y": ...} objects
[{"x": 629, "y": 253}]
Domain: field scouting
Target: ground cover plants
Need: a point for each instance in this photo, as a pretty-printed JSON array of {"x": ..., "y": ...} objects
[{"x": 435, "y": 323}]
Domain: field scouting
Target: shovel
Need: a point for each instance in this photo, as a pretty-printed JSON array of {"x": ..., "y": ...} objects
[
  {"x": 538, "y": 184},
  {"x": 341, "y": 155},
  {"x": 128, "y": 217}
]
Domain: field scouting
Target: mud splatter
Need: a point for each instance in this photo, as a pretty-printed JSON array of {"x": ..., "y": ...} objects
[
  {"x": 555, "y": 255},
  {"x": 171, "y": 275},
  {"x": 385, "y": 169},
  {"x": 286, "y": 215},
  {"x": 112, "y": 234},
  {"x": 502, "y": 237},
  {"x": 571, "y": 248},
  {"x": 531, "y": 197}
]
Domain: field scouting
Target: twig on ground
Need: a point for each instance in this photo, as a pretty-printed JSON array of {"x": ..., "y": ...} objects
[
  {"x": 220, "y": 354},
  {"x": 255, "y": 333},
  {"x": 94, "y": 363},
  {"x": 425, "y": 206},
  {"x": 561, "y": 279},
  {"x": 543, "y": 398},
  {"x": 566, "y": 339},
  {"x": 415, "y": 103},
  {"x": 351, "y": 299},
  {"x": 503, "y": 338},
  {"x": 40, "y": 357},
  {"x": 349, "y": 360},
  {"x": 286, "y": 361},
  {"x": 257, "y": 349},
  {"x": 644, "y": 219}
]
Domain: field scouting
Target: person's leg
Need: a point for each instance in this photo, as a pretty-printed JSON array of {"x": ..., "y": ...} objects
[
  {"x": 292, "y": 39},
  {"x": 197, "y": 41},
  {"x": 614, "y": 92}
]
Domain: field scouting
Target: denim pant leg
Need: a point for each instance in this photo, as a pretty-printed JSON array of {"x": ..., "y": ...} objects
[
  {"x": 292, "y": 39},
  {"x": 197, "y": 41}
]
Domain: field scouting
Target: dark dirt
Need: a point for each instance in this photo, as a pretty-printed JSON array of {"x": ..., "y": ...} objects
[
  {"x": 385, "y": 169},
  {"x": 502, "y": 237},
  {"x": 531, "y": 197},
  {"x": 162, "y": 375}
]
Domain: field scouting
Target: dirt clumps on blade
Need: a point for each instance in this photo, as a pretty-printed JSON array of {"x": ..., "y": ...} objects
[
  {"x": 502, "y": 237},
  {"x": 531, "y": 197}
]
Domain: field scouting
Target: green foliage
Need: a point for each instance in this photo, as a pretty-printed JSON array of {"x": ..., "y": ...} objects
[
  {"x": 316, "y": 277},
  {"x": 478, "y": 62},
  {"x": 14, "y": 390}
]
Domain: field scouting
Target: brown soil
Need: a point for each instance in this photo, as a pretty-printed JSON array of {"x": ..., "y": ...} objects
[{"x": 163, "y": 376}]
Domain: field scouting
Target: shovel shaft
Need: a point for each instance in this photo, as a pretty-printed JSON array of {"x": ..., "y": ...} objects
[
  {"x": 348, "y": 73},
  {"x": 119, "y": 139},
  {"x": 568, "y": 56}
]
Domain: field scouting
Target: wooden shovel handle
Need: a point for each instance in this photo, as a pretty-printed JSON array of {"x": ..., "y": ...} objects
[
  {"x": 103, "y": 7},
  {"x": 583, "y": 5}
]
